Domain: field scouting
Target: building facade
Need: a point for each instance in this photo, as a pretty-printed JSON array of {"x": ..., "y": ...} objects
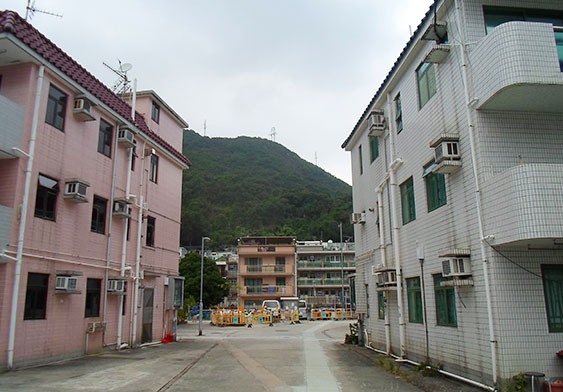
[
  {"x": 266, "y": 270},
  {"x": 322, "y": 279},
  {"x": 459, "y": 250},
  {"x": 90, "y": 198}
]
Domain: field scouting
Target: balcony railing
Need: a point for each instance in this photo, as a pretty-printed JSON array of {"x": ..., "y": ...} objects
[
  {"x": 523, "y": 60},
  {"x": 324, "y": 264},
  {"x": 321, "y": 282},
  {"x": 260, "y": 290},
  {"x": 265, "y": 269},
  {"x": 11, "y": 128}
]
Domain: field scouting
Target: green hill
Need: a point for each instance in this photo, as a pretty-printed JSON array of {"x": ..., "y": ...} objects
[{"x": 252, "y": 186}]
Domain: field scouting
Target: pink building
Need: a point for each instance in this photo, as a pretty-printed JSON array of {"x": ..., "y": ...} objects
[{"x": 89, "y": 207}]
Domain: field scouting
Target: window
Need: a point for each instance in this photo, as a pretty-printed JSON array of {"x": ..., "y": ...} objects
[
  {"x": 407, "y": 201},
  {"x": 381, "y": 305},
  {"x": 435, "y": 190},
  {"x": 398, "y": 114},
  {"x": 153, "y": 174},
  {"x": 150, "y": 231},
  {"x": 104, "y": 138},
  {"x": 36, "y": 296},
  {"x": 426, "y": 77},
  {"x": 373, "y": 148},
  {"x": 367, "y": 300},
  {"x": 414, "y": 296},
  {"x": 155, "y": 112},
  {"x": 553, "y": 292},
  {"x": 559, "y": 43},
  {"x": 46, "y": 197},
  {"x": 124, "y": 299},
  {"x": 361, "y": 160},
  {"x": 56, "y": 107},
  {"x": 495, "y": 16},
  {"x": 253, "y": 261},
  {"x": 280, "y": 281},
  {"x": 445, "y": 303},
  {"x": 99, "y": 208},
  {"x": 93, "y": 290},
  {"x": 133, "y": 157},
  {"x": 280, "y": 265}
]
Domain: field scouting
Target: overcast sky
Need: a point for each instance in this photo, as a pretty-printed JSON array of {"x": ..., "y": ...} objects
[{"x": 306, "y": 67}]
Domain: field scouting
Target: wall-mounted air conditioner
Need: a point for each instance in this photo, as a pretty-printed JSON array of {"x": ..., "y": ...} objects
[
  {"x": 446, "y": 150},
  {"x": 386, "y": 278},
  {"x": 447, "y": 158},
  {"x": 121, "y": 208},
  {"x": 376, "y": 123},
  {"x": 75, "y": 189},
  {"x": 126, "y": 137},
  {"x": 358, "y": 217},
  {"x": 66, "y": 283},
  {"x": 82, "y": 109},
  {"x": 456, "y": 267},
  {"x": 116, "y": 286}
]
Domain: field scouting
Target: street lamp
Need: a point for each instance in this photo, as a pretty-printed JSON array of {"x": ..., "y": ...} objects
[{"x": 203, "y": 239}]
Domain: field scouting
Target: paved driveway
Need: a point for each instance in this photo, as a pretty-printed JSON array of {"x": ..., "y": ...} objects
[{"x": 305, "y": 357}]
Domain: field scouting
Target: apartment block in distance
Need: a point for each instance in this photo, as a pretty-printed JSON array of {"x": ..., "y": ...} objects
[
  {"x": 266, "y": 269},
  {"x": 90, "y": 195},
  {"x": 459, "y": 250},
  {"x": 322, "y": 272}
]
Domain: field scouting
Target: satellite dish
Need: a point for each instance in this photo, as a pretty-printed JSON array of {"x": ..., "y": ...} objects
[{"x": 125, "y": 67}]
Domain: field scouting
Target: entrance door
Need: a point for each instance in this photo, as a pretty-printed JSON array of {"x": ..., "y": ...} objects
[{"x": 148, "y": 295}]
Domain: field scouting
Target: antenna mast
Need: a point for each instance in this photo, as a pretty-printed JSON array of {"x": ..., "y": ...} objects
[
  {"x": 121, "y": 85},
  {"x": 204, "y": 127},
  {"x": 273, "y": 134},
  {"x": 30, "y": 10}
]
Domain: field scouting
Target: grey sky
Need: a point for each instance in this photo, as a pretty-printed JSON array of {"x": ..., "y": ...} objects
[{"x": 306, "y": 67}]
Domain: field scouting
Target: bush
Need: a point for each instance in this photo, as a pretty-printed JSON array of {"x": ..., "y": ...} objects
[
  {"x": 428, "y": 369},
  {"x": 516, "y": 384}
]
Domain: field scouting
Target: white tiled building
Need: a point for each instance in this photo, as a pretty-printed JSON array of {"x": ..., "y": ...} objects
[{"x": 465, "y": 169}]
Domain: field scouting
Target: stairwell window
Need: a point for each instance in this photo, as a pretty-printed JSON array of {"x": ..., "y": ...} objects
[
  {"x": 414, "y": 296},
  {"x": 407, "y": 201},
  {"x": 435, "y": 188},
  {"x": 559, "y": 43},
  {"x": 99, "y": 210},
  {"x": 552, "y": 276},
  {"x": 361, "y": 160},
  {"x": 150, "y": 231},
  {"x": 398, "y": 113},
  {"x": 426, "y": 76},
  {"x": 93, "y": 294},
  {"x": 445, "y": 303},
  {"x": 46, "y": 197},
  {"x": 105, "y": 137},
  {"x": 373, "y": 148},
  {"x": 36, "y": 296},
  {"x": 153, "y": 173},
  {"x": 56, "y": 108},
  {"x": 381, "y": 305},
  {"x": 155, "y": 112}
]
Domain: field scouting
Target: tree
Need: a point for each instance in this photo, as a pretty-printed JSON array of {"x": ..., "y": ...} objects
[{"x": 215, "y": 287}]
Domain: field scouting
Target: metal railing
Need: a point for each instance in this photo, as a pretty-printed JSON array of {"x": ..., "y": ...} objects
[{"x": 265, "y": 289}]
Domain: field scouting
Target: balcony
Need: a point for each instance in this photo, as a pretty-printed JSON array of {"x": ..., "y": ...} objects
[
  {"x": 11, "y": 127},
  {"x": 309, "y": 282},
  {"x": 517, "y": 68},
  {"x": 265, "y": 290},
  {"x": 5, "y": 228},
  {"x": 266, "y": 269},
  {"x": 317, "y": 264},
  {"x": 524, "y": 206}
]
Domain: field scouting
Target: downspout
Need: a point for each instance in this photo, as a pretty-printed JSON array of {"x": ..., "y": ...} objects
[
  {"x": 394, "y": 189},
  {"x": 379, "y": 191},
  {"x": 23, "y": 216},
  {"x": 485, "y": 261},
  {"x": 126, "y": 223}
]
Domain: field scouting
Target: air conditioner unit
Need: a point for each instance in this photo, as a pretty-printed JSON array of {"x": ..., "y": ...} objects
[
  {"x": 456, "y": 266},
  {"x": 447, "y": 149},
  {"x": 75, "y": 189},
  {"x": 126, "y": 137},
  {"x": 386, "y": 278},
  {"x": 358, "y": 217},
  {"x": 83, "y": 109},
  {"x": 376, "y": 123},
  {"x": 121, "y": 208},
  {"x": 116, "y": 286},
  {"x": 66, "y": 283}
]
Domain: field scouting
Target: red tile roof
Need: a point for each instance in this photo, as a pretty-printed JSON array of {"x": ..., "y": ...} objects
[{"x": 11, "y": 22}]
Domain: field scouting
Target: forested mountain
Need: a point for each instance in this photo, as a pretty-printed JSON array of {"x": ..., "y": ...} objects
[{"x": 253, "y": 186}]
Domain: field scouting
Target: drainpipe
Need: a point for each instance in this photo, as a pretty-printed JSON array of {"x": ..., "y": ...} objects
[
  {"x": 23, "y": 216},
  {"x": 485, "y": 261},
  {"x": 379, "y": 191},
  {"x": 394, "y": 190},
  {"x": 420, "y": 257},
  {"x": 126, "y": 223}
]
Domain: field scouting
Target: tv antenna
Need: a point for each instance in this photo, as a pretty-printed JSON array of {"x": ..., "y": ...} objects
[
  {"x": 273, "y": 134},
  {"x": 30, "y": 10},
  {"x": 121, "y": 85}
]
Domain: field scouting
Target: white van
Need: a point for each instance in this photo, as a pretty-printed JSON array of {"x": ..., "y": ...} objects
[
  {"x": 302, "y": 309},
  {"x": 272, "y": 305}
]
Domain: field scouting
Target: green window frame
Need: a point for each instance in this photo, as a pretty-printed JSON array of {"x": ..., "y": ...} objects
[
  {"x": 407, "y": 201},
  {"x": 361, "y": 159},
  {"x": 435, "y": 190},
  {"x": 426, "y": 76},
  {"x": 495, "y": 16},
  {"x": 398, "y": 114},
  {"x": 414, "y": 297},
  {"x": 552, "y": 276},
  {"x": 559, "y": 44},
  {"x": 446, "y": 314},
  {"x": 373, "y": 148},
  {"x": 381, "y": 305}
]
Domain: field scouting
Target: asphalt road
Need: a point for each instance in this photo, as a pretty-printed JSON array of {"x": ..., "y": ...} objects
[{"x": 306, "y": 357}]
